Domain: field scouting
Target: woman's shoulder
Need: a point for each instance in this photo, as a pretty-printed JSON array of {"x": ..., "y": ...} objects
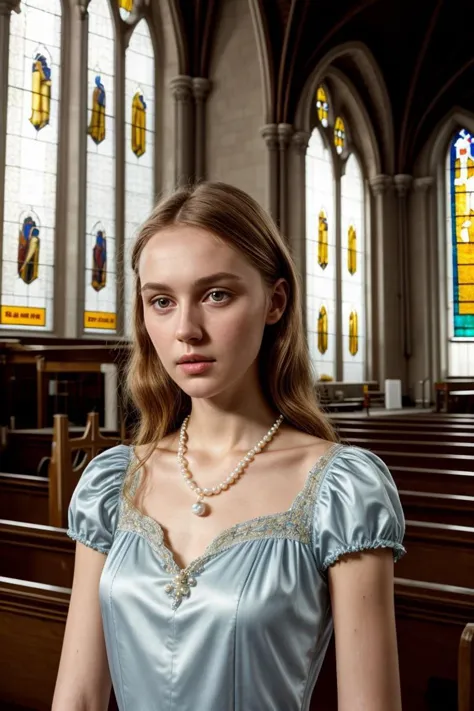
[{"x": 93, "y": 509}]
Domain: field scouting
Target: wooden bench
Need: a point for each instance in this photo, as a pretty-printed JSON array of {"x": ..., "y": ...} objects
[
  {"x": 41, "y": 554},
  {"x": 451, "y": 509},
  {"x": 32, "y": 623},
  {"x": 466, "y": 669},
  {"x": 27, "y": 498},
  {"x": 421, "y": 460},
  {"x": 66, "y": 466},
  {"x": 449, "y": 481},
  {"x": 418, "y": 447},
  {"x": 406, "y": 435},
  {"x": 430, "y": 620},
  {"x": 24, "y": 498},
  {"x": 438, "y": 553}
]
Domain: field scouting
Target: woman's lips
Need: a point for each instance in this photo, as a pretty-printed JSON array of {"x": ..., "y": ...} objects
[{"x": 196, "y": 367}]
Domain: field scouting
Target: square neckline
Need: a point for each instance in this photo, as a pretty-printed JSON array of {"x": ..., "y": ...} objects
[{"x": 150, "y": 528}]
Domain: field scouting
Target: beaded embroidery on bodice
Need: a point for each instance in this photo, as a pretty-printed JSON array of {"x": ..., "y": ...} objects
[{"x": 294, "y": 524}]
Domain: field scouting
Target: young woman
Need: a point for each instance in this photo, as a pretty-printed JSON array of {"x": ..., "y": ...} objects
[{"x": 216, "y": 554}]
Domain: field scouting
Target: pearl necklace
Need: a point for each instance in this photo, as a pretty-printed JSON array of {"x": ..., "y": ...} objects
[{"x": 200, "y": 508}]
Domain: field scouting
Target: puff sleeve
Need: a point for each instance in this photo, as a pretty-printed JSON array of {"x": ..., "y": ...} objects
[
  {"x": 358, "y": 508},
  {"x": 93, "y": 510}
]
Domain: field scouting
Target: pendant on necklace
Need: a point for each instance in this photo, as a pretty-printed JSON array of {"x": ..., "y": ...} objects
[{"x": 199, "y": 508}]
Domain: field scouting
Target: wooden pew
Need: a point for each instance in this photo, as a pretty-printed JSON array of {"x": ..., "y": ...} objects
[
  {"x": 419, "y": 447},
  {"x": 33, "y": 616},
  {"x": 450, "y": 509},
  {"x": 64, "y": 469},
  {"x": 405, "y": 435},
  {"x": 422, "y": 460},
  {"x": 438, "y": 553},
  {"x": 448, "y": 481},
  {"x": 32, "y": 622},
  {"x": 24, "y": 498},
  {"x": 430, "y": 619},
  {"x": 27, "y": 498},
  {"x": 41, "y": 554},
  {"x": 466, "y": 669}
]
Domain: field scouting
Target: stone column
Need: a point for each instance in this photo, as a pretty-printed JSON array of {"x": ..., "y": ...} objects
[
  {"x": 181, "y": 87},
  {"x": 71, "y": 282},
  {"x": 379, "y": 185},
  {"x": 297, "y": 204},
  {"x": 201, "y": 89},
  {"x": 428, "y": 283},
  {"x": 284, "y": 136},
  {"x": 110, "y": 395},
  {"x": 403, "y": 184},
  {"x": 269, "y": 133},
  {"x": 6, "y": 8}
]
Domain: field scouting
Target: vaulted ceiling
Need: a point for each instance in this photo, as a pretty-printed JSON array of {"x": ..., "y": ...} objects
[{"x": 424, "y": 49}]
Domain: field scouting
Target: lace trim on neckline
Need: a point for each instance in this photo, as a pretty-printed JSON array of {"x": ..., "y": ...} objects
[{"x": 293, "y": 524}]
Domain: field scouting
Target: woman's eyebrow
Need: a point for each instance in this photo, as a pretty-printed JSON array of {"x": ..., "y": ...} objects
[{"x": 202, "y": 281}]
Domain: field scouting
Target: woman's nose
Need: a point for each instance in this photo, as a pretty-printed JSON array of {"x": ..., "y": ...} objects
[{"x": 189, "y": 326}]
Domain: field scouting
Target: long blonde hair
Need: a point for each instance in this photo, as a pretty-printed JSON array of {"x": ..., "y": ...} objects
[{"x": 284, "y": 366}]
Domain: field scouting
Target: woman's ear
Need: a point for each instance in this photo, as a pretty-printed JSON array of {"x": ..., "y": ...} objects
[{"x": 278, "y": 301}]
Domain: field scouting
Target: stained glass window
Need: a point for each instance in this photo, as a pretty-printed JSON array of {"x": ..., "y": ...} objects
[
  {"x": 125, "y": 8},
  {"x": 320, "y": 256},
  {"x": 139, "y": 143},
  {"x": 339, "y": 135},
  {"x": 460, "y": 255},
  {"x": 34, "y": 80},
  {"x": 353, "y": 272},
  {"x": 322, "y": 106},
  {"x": 100, "y": 243}
]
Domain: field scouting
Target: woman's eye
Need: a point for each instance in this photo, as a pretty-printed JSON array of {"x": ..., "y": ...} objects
[
  {"x": 161, "y": 303},
  {"x": 219, "y": 296}
]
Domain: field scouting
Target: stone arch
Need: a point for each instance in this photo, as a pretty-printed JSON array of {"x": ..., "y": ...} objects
[
  {"x": 378, "y": 153},
  {"x": 434, "y": 151}
]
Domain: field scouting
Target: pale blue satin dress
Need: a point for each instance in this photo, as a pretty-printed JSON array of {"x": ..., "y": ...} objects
[{"x": 247, "y": 625}]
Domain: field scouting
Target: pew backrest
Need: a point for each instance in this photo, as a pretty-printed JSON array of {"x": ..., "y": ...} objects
[{"x": 69, "y": 458}]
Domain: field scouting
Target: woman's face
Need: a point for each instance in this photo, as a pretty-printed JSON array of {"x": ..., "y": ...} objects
[{"x": 202, "y": 298}]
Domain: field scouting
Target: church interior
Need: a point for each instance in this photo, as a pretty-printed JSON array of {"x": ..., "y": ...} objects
[{"x": 352, "y": 123}]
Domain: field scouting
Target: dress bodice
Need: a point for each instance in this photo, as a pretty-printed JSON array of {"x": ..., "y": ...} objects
[{"x": 245, "y": 626}]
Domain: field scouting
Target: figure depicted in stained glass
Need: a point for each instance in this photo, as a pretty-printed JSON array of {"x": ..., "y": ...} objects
[
  {"x": 28, "y": 250},
  {"x": 322, "y": 330},
  {"x": 323, "y": 249},
  {"x": 322, "y": 106},
  {"x": 138, "y": 124},
  {"x": 125, "y": 8},
  {"x": 99, "y": 261},
  {"x": 462, "y": 206},
  {"x": 352, "y": 250},
  {"x": 353, "y": 333},
  {"x": 97, "y": 123},
  {"x": 339, "y": 135},
  {"x": 40, "y": 92}
]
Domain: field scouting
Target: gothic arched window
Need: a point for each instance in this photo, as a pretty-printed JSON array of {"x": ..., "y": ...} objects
[
  {"x": 30, "y": 189},
  {"x": 460, "y": 252},
  {"x": 335, "y": 248},
  {"x": 139, "y": 144},
  {"x": 320, "y": 255},
  {"x": 100, "y": 309}
]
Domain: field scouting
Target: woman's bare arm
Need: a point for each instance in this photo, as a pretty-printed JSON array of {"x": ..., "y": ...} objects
[
  {"x": 361, "y": 587},
  {"x": 83, "y": 682}
]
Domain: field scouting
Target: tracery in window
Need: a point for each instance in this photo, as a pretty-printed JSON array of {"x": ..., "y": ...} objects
[
  {"x": 335, "y": 251},
  {"x": 339, "y": 135},
  {"x": 322, "y": 106},
  {"x": 125, "y": 8},
  {"x": 34, "y": 80}
]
